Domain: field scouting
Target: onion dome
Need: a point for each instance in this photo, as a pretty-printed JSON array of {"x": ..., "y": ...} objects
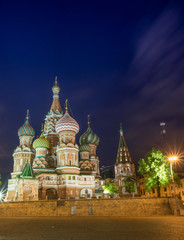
[
  {"x": 89, "y": 137},
  {"x": 41, "y": 142},
  {"x": 67, "y": 123},
  {"x": 85, "y": 148},
  {"x": 26, "y": 129}
]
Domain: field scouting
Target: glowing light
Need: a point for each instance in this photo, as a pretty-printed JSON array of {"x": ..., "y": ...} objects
[
  {"x": 173, "y": 158},
  {"x": 106, "y": 191},
  {"x": 2, "y": 194},
  {"x": 175, "y": 151}
]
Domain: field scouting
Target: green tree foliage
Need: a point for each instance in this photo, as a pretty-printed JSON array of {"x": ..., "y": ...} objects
[
  {"x": 129, "y": 186},
  {"x": 155, "y": 169},
  {"x": 110, "y": 188}
]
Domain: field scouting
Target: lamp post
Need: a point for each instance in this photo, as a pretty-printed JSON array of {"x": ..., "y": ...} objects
[{"x": 171, "y": 160}]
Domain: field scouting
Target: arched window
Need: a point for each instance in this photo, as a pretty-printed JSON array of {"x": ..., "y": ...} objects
[
  {"x": 73, "y": 178},
  {"x": 69, "y": 177}
]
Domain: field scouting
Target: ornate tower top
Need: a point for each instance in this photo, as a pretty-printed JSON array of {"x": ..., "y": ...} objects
[
  {"x": 67, "y": 123},
  {"x": 26, "y": 129},
  {"x": 41, "y": 142},
  {"x": 56, "y": 106},
  {"x": 89, "y": 137},
  {"x": 123, "y": 155}
]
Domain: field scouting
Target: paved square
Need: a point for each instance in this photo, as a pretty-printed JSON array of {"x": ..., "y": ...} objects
[{"x": 80, "y": 228}]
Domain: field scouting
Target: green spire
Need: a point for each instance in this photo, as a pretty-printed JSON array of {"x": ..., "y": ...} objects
[
  {"x": 27, "y": 171},
  {"x": 123, "y": 155},
  {"x": 89, "y": 137}
]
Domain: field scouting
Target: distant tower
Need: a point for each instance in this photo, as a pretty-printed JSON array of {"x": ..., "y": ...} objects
[
  {"x": 24, "y": 152},
  {"x": 124, "y": 168},
  {"x": 163, "y": 135},
  {"x": 163, "y": 128}
]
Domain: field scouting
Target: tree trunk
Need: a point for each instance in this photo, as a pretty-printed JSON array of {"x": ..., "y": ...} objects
[{"x": 158, "y": 190}]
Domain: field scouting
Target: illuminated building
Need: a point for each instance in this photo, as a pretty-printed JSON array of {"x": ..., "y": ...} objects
[
  {"x": 50, "y": 167},
  {"x": 167, "y": 191}
]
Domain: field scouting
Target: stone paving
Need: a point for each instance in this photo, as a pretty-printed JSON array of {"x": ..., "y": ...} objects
[{"x": 84, "y": 228}]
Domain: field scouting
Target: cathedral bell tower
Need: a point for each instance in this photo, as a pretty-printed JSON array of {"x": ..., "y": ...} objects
[{"x": 51, "y": 119}]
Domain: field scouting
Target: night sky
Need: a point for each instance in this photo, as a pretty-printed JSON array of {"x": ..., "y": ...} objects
[{"x": 119, "y": 61}]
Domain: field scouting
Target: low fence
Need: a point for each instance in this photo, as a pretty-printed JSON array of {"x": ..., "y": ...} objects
[{"x": 85, "y": 207}]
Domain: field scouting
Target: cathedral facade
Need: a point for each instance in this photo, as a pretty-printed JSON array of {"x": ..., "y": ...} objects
[{"x": 53, "y": 166}]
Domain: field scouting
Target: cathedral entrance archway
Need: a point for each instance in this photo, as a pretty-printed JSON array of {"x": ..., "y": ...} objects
[
  {"x": 86, "y": 192},
  {"x": 51, "y": 194}
]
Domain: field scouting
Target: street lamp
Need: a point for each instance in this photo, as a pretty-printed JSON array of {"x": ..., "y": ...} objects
[{"x": 171, "y": 160}]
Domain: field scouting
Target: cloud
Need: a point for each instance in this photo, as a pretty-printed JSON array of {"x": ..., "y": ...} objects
[{"x": 156, "y": 76}]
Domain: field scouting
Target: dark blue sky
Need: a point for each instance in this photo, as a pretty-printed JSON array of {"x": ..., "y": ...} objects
[{"x": 119, "y": 61}]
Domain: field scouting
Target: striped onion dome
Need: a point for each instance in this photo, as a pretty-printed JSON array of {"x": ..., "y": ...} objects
[
  {"x": 67, "y": 123},
  {"x": 41, "y": 142},
  {"x": 85, "y": 148},
  {"x": 89, "y": 137},
  {"x": 26, "y": 129}
]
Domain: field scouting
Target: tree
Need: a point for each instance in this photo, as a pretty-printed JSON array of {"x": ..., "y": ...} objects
[
  {"x": 110, "y": 188},
  {"x": 154, "y": 167},
  {"x": 129, "y": 186}
]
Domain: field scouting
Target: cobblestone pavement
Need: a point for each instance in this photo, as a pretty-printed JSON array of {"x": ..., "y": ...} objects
[{"x": 80, "y": 228}]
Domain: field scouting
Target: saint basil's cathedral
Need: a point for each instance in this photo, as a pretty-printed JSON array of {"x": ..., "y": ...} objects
[{"x": 50, "y": 168}]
